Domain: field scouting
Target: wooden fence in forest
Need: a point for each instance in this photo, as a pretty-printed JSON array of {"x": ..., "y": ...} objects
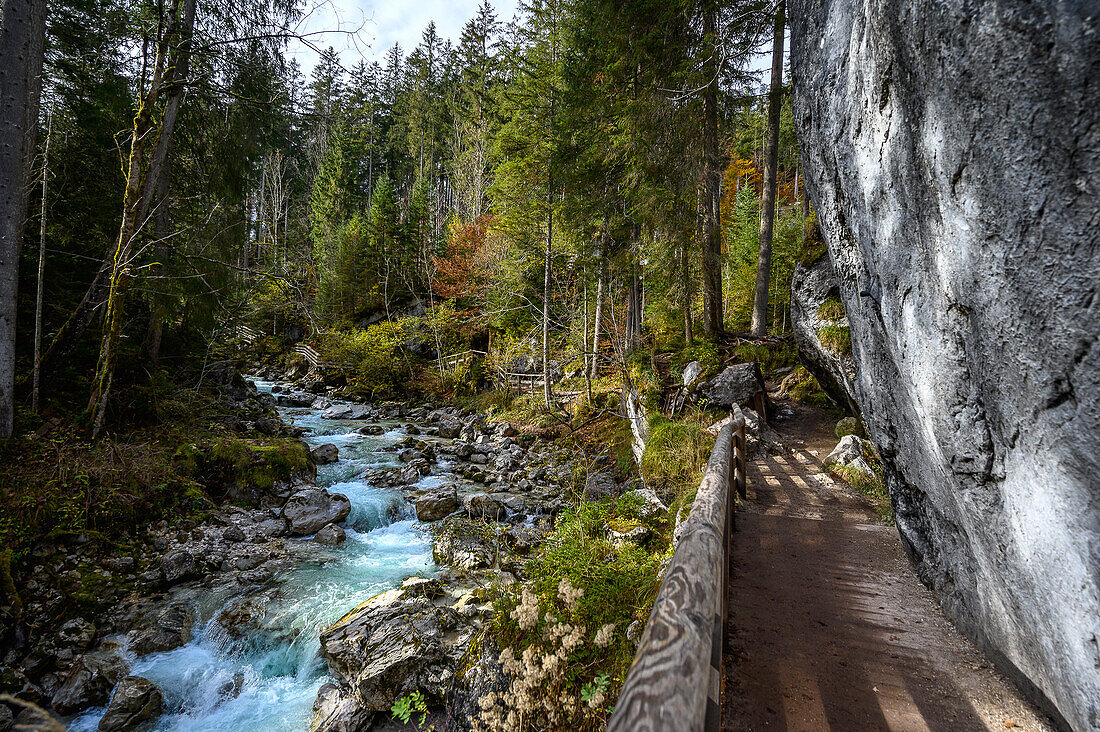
[
  {"x": 452, "y": 362},
  {"x": 674, "y": 683},
  {"x": 309, "y": 354}
]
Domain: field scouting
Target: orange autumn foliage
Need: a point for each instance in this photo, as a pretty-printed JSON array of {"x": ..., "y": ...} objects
[{"x": 463, "y": 269}]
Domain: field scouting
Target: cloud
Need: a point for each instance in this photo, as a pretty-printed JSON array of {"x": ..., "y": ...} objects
[{"x": 366, "y": 29}]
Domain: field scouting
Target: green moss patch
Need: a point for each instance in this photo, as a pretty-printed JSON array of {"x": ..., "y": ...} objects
[
  {"x": 836, "y": 339},
  {"x": 832, "y": 310}
]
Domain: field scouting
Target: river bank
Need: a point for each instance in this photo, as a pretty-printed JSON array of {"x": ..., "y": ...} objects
[{"x": 224, "y": 617}]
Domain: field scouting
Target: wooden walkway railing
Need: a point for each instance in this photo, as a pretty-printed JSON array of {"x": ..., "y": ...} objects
[
  {"x": 310, "y": 355},
  {"x": 246, "y": 334},
  {"x": 451, "y": 363},
  {"x": 674, "y": 683}
]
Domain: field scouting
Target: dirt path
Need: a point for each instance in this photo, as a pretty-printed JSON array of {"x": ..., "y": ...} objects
[{"x": 829, "y": 628}]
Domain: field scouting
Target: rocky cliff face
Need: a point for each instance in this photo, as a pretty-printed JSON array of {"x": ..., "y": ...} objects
[
  {"x": 953, "y": 156},
  {"x": 812, "y": 288}
]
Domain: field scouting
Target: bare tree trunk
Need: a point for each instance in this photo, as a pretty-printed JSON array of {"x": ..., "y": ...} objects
[
  {"x": 685, "y": 272},
  {"x": 41, "y": 266},
  {"x": 141, "y": 187},
  {"x": 584, "y": 342},
  {"x": 713, "y": 318},
  {"x": 601, "y": 293},
  {"x": 771, "y": 172},
  {"x": 22, "y": 40},
  {"x": 547, "y": 392}
]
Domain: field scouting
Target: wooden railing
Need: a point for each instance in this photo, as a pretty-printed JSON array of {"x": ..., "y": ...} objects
[
  {"x": 247, "y": 334},
  {"x": 520, "y": 382},
  {"x": 310, "y": 355},
  {"x": 675, "y": 681},
  {"x": 451, "y": 363}
]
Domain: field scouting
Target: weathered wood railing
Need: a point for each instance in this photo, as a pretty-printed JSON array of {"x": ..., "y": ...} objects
[
  {"x": 520, "y": 382},
  {"x": 451, "y": 363},
  {"x": 309, "y": 354},
  {"x": 675, "y": 681},
  {"x": 246, "y": 334}
]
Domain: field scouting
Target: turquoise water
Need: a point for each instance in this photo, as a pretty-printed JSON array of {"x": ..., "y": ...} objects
[{"x": 268, "y": 681}]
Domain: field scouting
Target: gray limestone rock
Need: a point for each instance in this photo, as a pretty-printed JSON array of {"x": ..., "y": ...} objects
[
  {"x": 331, "y": 535},
  {"x": 88, "y": 682},
  {"x": 177, "y": 566},
  {"x": 325, "y": 454},
  {"x": 736, "y": 384},
  {"x": 811, "y": 286},
  {"x": 135, "y": 700},
  {"x": 336, "y": 710},
  {"x": 170, "y": 629},
  {"x": 437, "y": 504},
  {"x": 692, "y": 372},
  {"x": 389, "y": 646},
  {"x": 952, "y": 153},
  {"x": 310, "y": 509}
]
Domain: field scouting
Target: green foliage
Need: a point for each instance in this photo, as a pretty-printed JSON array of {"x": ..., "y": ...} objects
[
  {"x": 801, "y": 386},
  {"x": 836, "y": 338},
  {"x": 703, "y": 351},
  {"x": 832, "y": 310},
  {"x": 849, "y": 426},
  {"x": 368, "y": 358},
  {"x": 676, "y": 455},
  {"x": 871, "y": 485},
  {"x": 813, "y": 247},
  {"x": 596, "y": 688},
  {"x": 246, "y": 465},
  {"x": 619, "y": 584},
  {"x": 770, "y": 356},
  {"x": 408, "y": 705}
]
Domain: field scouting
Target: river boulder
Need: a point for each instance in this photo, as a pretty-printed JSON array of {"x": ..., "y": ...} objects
[
  {"x": 135, "y": 700},
  {"x": 390, "y": 646},
  {"x": 325, "y": 454},
  {"x": 437, "y": 504},
  {"x": 310, "y": 509},
  {"x": 336, "y": 710},
  {"x": 952, "y": 153},
  {"x": 89, "y": 681}
]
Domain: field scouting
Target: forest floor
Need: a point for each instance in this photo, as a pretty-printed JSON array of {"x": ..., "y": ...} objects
[{"x": 828, "y": 626}]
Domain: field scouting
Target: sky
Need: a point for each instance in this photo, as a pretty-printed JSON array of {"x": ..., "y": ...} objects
[{"x": 368, "y": 28}]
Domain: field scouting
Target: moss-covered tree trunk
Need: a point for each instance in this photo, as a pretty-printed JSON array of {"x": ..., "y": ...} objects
[{"x": 771, "y": 164}]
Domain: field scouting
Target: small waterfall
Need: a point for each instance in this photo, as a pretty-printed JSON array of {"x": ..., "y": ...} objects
[{"x": 264, "y": 676}]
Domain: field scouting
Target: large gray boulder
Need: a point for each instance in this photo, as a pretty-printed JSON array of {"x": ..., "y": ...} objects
[
  {"x": 390, "y": 646},
  {"x": 135, "y": 700},
  {"x": 737, "y": 384},
  {"x": 325, "y": 454},
  {"x": 310, "y": 509},
  {"x": 952, "y": 153},
  {"x": 89, "y": 682},
  {"x": 811, "y": 286},
  {"x": 336, "y": 710},
  {"x": 437, "y": 504}
]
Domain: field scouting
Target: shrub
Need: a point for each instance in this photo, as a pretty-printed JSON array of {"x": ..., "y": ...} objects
[
  {"x": 801, "y": 386},
  {"x": 836, "y": 339},
  {"x": 676, "y": 455},
  {"x": 871, "y": 485},
  {"x": 368, "y": 358},
  {"x": 769, "y": 356},
  {"x": 703, "y": 351},
  {"x": 563, "y": 635}
]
